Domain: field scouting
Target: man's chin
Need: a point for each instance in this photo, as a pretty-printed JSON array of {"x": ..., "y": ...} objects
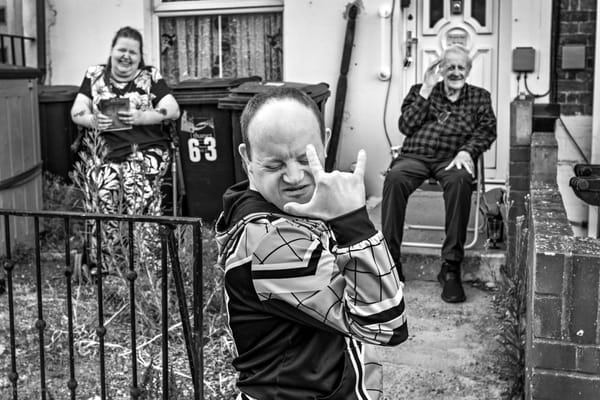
[
  {"x": 456, "y": 85},
  {"x": 297, "y": 198}
]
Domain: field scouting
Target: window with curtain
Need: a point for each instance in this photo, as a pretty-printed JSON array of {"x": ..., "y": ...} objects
[{"x": 221, "y": 46}]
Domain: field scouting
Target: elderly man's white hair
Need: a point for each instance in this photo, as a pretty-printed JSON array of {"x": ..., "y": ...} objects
[{"x": 457, "y": 49}]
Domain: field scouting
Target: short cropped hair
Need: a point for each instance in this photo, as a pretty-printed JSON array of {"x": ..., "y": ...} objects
[
  {"x": 458, "y": 49},
  {"x": 274, "y": 94}
]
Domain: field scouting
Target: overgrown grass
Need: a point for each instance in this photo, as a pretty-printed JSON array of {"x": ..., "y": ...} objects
[
  {"x": 219, "y": 377},
  {"x": 511, "y": 302}
]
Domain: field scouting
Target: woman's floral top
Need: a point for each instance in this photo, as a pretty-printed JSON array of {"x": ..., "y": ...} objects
[{"x": 144, "y": 92}]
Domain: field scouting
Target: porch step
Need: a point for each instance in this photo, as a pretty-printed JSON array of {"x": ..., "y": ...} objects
[
  {"x": 477, "y": 266},
  {"x": 481, "y": 264}
]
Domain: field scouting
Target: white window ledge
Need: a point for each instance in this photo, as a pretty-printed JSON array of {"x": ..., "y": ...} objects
[{"x": 211, "y": 7}]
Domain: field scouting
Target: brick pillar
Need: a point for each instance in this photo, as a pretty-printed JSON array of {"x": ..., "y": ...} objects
[
  {"x": 521, "y": 123},
  {"x": 562, "y": 356},
  {"x": 563, "y": 333}
]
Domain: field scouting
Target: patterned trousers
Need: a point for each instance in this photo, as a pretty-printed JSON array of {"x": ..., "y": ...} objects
[{"x": 131, "y": 187}]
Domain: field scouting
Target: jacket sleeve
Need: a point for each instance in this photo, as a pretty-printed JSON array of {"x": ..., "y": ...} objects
[
  {"x": 485, "y": 129},
  {"x": 414, "y": 111},
  {"x": 349, "y": 284}
]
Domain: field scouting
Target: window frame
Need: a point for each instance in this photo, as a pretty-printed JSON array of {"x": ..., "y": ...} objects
[
  {"x": 161, "y": 9},
  {"x": 211, "y": 7}
]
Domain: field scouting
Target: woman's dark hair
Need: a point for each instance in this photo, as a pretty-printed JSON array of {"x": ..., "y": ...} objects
[{"x": 130, "y": 33}]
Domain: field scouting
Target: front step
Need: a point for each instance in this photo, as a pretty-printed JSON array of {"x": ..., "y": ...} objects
[
  {"x": 477, "y": 266},
  {"x": 480, "y": 263}
]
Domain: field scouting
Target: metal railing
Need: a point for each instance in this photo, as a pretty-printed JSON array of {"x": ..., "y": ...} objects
[
  {"x": 168, "y": 252},
  {"x": 16, "y": 46}
]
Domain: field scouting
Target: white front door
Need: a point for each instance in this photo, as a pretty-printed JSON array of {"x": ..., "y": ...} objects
[{"x": 432, "y": 25}]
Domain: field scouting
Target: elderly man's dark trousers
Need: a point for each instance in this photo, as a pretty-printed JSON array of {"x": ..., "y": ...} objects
[{"x": 403, "y": 178}]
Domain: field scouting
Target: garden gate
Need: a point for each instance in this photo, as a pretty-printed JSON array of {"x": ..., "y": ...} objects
[{"x": 168, "y": 260}]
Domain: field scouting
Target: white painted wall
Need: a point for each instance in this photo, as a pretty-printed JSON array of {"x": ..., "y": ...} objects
[
  {"x": 79, "y": 34},
  {"x": 30, "y": 30},
  {"x": 531, "y": 23},
  {"x": 313, "y": 40},
  {"x": 573, "y": 138},
  {"x": 313, "y": 43}
]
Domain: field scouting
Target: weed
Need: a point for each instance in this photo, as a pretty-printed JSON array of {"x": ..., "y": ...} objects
[
  {"x": 57, "y": 195},
  {"x": 511, "y": 302},
  {"x": 219, "y": 376}
]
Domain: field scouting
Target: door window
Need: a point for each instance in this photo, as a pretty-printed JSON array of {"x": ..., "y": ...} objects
[
  {"x": 436, "y": 12},
  {"x": 478, "y": 11}
]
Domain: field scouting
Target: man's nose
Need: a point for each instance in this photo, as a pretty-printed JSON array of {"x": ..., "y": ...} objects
[{"x": 294, "y": 173}]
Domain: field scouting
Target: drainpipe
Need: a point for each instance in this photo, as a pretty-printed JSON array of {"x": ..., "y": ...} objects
[
  {"x": 40, "y": 17},
  {"x": 554, "y": 44}
]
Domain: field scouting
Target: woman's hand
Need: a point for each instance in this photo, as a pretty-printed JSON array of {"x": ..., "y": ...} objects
[
  {"x": 82, "y": 114},
  {"x": 100, "y": 121},
  {"x": 139, "y": 117},
  {"x": 135, "y": 117}
]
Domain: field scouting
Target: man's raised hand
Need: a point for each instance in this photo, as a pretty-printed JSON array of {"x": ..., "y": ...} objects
[
  {"x": 431, "y": 78},
  {"x": 336, "y": 193}
]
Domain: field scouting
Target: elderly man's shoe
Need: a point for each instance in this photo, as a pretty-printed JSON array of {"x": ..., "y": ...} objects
[{"x": 453, "y": 291}]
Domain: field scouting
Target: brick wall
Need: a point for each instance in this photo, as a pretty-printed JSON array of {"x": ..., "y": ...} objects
[
  {"x": 577, "y": 25},
  {"x": 562, "y": 354},
  {"x": 563, "y": 333}
]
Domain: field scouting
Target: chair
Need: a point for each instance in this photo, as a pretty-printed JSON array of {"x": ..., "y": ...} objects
[{"x": 431, "y": 185}]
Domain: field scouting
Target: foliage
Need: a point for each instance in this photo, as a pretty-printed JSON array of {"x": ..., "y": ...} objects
[
  {"x": 219, "y": 376},
  {"x": 511, "y": 301},
  {"x": 57, "y": 195}
]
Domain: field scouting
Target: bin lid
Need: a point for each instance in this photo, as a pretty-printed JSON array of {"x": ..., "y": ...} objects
[
  {"x": 57, "y": 93},
  {"x": 240, "y": 95},
  {"x": 205, "y": 90},
  {"x": 8, "y": 71}
]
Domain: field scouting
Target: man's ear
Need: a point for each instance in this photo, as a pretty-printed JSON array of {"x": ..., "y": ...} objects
[{"x": 244, "y": 154}]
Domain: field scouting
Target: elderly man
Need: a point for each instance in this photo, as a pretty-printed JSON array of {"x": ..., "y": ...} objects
[
  {"x": 448, "y": 124},
  {"x": 308, "y": 279}
]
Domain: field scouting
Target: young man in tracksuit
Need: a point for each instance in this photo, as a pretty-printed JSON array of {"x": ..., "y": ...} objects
[{"x": 308, "y": 279}]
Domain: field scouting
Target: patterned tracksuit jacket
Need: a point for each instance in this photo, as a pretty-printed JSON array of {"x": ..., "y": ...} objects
[{"x": 304, "y": 297}]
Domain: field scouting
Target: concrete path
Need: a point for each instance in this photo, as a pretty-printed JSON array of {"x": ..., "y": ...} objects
[{"x": 452, "y": 352}]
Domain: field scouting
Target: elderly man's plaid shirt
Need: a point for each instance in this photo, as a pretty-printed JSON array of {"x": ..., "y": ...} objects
[{"x": 437, "y": 129}]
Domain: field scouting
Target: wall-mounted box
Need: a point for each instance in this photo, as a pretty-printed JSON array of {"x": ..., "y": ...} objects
[
  {"x": 523, "y": 59},
  {"x": 573, "y": 56}
]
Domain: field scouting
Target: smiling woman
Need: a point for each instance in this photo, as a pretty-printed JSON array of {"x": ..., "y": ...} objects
[{"x": 122, "y": 105}]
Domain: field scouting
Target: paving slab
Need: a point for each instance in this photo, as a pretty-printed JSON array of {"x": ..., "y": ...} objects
[
  {"x": 452, "y": 352},
  {"x": 481, "y": 263}
]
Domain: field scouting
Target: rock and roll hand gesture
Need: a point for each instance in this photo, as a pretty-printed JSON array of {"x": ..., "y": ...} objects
[{"x": 336, "y": 193}]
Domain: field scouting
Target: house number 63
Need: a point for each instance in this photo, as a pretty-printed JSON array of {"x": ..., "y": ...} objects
[{"x": 209, "y": 148}]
